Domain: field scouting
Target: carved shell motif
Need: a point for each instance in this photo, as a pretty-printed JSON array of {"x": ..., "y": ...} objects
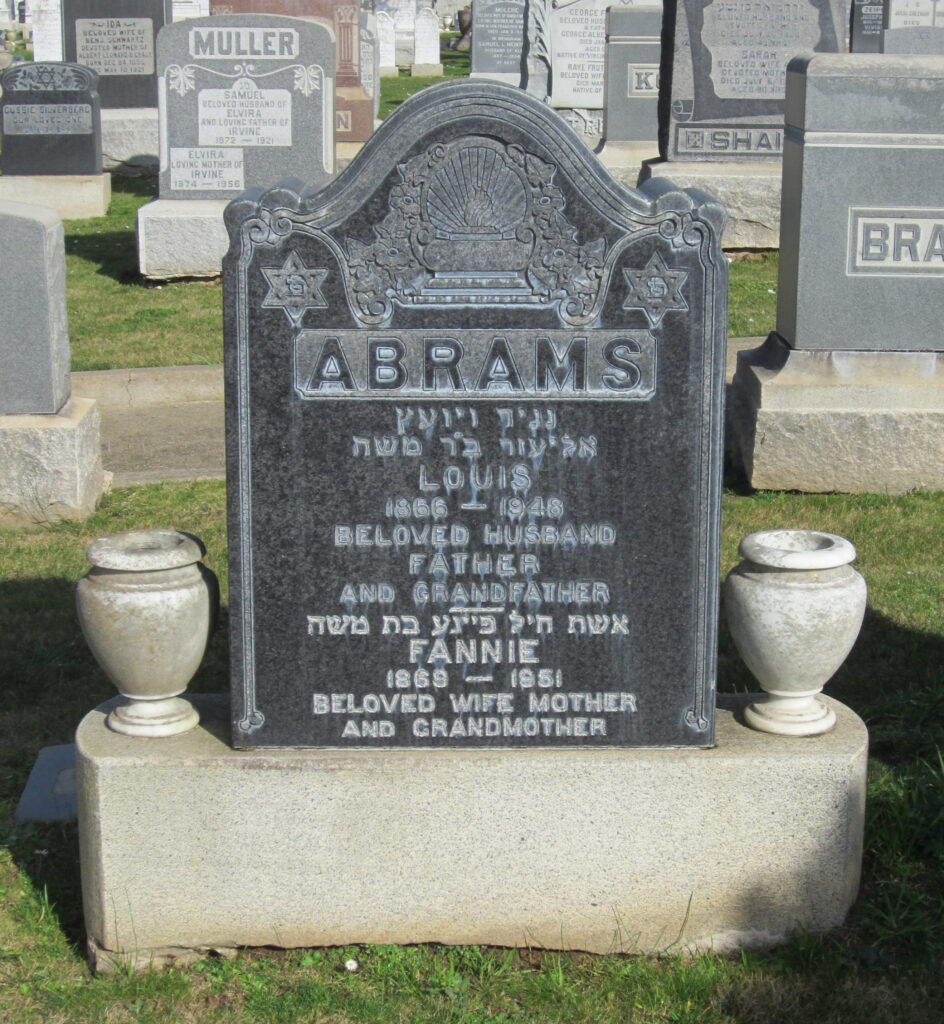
[{"x": 476, "y": 193}]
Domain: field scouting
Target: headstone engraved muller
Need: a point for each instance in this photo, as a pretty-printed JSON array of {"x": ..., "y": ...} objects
[
  {"x": 474, "y": 443},
  {"x": 117, "y": 40},
  {"x": 51, "y": 155},
  {"x": 51, "y": 466},
  {"x": 245, "y": 101},
  {"x": 354, "y": 118},
  {"x": 476, "y": 343},
  {"x": 499, "y": 40},
  {"x": 724, "y": 121},
  {"x": 847, "y": 394}
]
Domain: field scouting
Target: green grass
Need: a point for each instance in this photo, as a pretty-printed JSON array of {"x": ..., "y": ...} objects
[
  {"x": 883, "y": 966},
  {"x": 117, "y": 320}
]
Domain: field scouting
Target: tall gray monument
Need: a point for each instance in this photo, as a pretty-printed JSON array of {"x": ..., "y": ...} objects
[
  {"x": 847, "y": 394},
  {"x": 51, "y": 466}
]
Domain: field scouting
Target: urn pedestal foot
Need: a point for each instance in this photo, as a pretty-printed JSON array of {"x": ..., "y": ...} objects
[
  {"x": 790, "y": 716},
  {"x": 154, "y": 717}
]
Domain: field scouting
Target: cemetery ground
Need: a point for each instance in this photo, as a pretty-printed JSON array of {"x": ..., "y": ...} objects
[{"x": 884, "y": 965}]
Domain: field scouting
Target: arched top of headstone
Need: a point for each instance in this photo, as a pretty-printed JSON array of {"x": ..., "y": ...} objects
[
  {"x": 52, "y": 76},
  {"x": 469, "y": 181}
]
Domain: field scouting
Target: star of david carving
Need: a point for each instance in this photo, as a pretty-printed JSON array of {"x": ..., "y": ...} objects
[
  {"x": 655, "y": 289},
  {"x": 295, "y": 288}
]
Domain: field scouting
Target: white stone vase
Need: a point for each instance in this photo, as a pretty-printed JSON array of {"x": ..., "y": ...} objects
[
  {"x": 147, "y": 608},
  {"x": 794, "y": 607}
]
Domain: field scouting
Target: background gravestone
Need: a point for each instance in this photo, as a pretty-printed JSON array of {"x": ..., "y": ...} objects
[
  {"x": 51, "y": 466},
  {"x": 565, "y": 63},
  {"x": 227, "y": 123},
  {"x": 848, "y": 393},
  {"x": 403, "y": 13},
  {"x": 914, "y": 26},
  {"x": 46, "y": 18},
  {"x": 868, "y": 24},
  {"x": 34, "y": 336},
  {"x": 354, "y": 117},
  {"x": 370, "y": 60},
  {"x": 117, "y": 39},
  {"x": 386, "y": 45},
  {"x": 729, "y": 72},
  {"x": 499, "y": 39},
  {"x": 426, "y": 43},
  {"x": 50, "y": 118},
  {"x": 633, "y": 53},
  {"x": 520, "y": 366}
]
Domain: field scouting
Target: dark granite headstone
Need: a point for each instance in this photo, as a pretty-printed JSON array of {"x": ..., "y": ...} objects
[
  {"x": 729, "y": 71},
  {"x": 498, "y": 41},
  {"x": 117, "y": 39},
  {"x": 474, "y": 431},
  {"x": 50, "y": 118},
  {"x": 868, "y": 23},
  {"x": 245, "y": 101}
]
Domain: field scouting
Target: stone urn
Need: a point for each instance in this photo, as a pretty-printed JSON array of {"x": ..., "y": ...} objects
[
  {"x": 794, "y": 607},
  {"x": 147, "y": 608}
]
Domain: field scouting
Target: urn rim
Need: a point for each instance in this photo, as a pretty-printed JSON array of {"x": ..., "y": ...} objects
[
  {"x": 145, "y": 550},
  {"x": 797, "y": 549}
]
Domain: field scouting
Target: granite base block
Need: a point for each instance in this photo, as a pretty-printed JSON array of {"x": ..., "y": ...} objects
[
  {"x": 426, "y": 71},
  {"x": 52, "y": 465},
  {"x": 181, "y": 238},
  {"x": 72, "y": 196},
  {"x": 749, "y": 191},
  {"x": 851, "y": 421},
  {"x": 189, "y": 845},
  {"x": 130, "y": 139}
]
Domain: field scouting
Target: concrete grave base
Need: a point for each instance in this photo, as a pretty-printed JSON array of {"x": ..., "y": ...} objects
[
  {"x": 624, "y": 160},
  {"x": 389, "y": 71},
  {"x": 188, "y": 845},
  {"x": 129, "y": 138},
  {"x": 427, "y": 71},
  {"x": 851, "y": 421},
  {"x": 51, "y": 466},
  {"x": 749, "y": 191},
  {"x": 182, "y": 238},
  {"x": 72, "y": 196}
]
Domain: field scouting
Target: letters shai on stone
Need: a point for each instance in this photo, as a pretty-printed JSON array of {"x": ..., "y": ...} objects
[{"x": 473, "y": 443}]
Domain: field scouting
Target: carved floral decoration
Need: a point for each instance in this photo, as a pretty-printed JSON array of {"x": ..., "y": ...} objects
[{"x": 481, "y": 214}]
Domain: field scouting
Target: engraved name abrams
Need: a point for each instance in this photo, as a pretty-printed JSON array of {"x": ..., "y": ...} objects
[
  {"x": 475, "y": 363},
  {"x": 896, "y": 242}
]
